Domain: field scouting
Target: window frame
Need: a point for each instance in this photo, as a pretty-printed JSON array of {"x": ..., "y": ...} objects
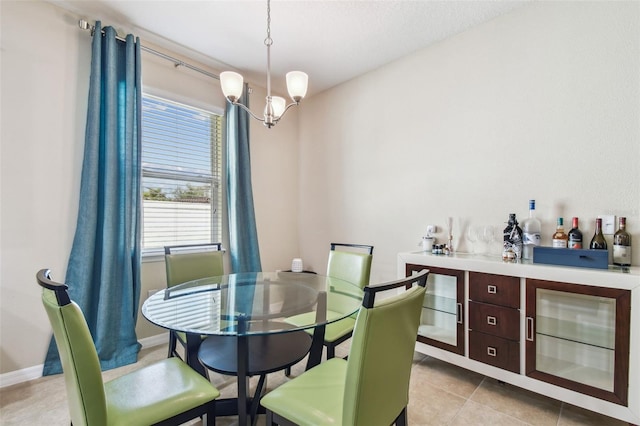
[{"x": 217, "y": 175}]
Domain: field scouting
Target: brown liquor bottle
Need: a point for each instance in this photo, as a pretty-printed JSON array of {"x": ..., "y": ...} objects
[{"x": 560, "y": 238}]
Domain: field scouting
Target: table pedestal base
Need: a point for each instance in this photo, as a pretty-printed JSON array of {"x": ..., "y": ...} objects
[{"x": 253, "y": 355}]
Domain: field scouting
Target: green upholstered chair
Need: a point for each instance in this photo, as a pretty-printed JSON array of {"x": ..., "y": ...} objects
[
  {"x": 187, "y": 263},
  {"x": 351, "y": 263},
  {"x": 371, "y": 387},
  {"x": 167, "y": 392}
]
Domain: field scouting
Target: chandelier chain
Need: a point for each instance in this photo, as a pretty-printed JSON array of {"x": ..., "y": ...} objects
[{"x": 268, "y": 41}]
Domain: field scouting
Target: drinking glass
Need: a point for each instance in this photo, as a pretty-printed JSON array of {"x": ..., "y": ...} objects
[
  {"x": 472, "y": 236},
  {"x": 488, "y": 236}
]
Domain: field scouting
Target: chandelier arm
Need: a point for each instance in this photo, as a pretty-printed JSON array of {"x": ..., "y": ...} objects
[
  {"x": 285, "y": 110},
  {"x": 248, "y": 110}
]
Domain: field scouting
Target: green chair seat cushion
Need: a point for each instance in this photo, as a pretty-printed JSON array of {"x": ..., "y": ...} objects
[
  {"x": 338, "y": 329},
  {"x": 333, "y": 331},
  {"x": 170, "y": 387},
  {"x": 313, "y": 398}
]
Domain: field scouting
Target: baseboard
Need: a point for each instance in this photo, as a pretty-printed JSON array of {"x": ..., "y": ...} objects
[
  {"x": 20, "y": 376},
  {"x": 157, "y": 340},
  {"x": 31, "y": 373}
]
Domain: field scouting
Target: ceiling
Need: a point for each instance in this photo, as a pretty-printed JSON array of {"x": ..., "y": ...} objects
[{"x": 331, "y": 40}]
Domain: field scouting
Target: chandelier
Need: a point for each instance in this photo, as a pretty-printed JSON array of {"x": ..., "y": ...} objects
[{"x": 276, "y": 106}]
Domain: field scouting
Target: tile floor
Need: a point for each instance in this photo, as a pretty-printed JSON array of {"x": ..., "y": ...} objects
[{"x": 440, "y": 394}]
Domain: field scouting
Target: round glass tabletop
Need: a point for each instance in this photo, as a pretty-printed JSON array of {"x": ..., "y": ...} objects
[{"x": 253, "y": 303}]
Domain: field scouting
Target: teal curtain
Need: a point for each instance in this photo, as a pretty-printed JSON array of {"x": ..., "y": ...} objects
[
  {"x": 103, "y": 272},
  {"x": 243, "y": 235}
]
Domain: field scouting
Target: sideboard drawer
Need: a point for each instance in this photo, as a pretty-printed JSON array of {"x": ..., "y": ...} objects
[
  {"x": 496, "y": 351},
  {"x": 496, "y": 289},
  {"x": 496, "y": 320}
]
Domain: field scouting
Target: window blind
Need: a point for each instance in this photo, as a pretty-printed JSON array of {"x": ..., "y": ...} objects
[{"x": 181, "y": 174}]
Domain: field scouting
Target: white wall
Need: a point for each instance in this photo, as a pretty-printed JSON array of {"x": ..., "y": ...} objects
[
  {"x": 275, "y": 170},
  {"x": 41, "y": 135},
  {"x": 541, "y": 103},
  {"x": 45, "y": 77}
]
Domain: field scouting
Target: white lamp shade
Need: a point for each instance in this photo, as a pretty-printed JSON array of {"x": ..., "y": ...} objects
[
  {"x": 231, "y": 83},
  {"x": 278, "y": 103},
  {"x": 297, "y": 82}
]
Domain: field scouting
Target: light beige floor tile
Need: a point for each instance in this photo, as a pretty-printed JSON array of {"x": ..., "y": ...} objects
[
  {"x": 440, "y": 394},
  {"x": 571, "y": 415},
  {"x": 445, "y": 376},
  {"x": 519, "y": 403},
  {"x": 429, "y": 405},
  {"x": 476, "y": 414},
  {"x": 48, "y": 394}
]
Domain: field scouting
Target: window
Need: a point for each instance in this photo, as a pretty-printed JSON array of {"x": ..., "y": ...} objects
[{"x": 181, "y": 175}]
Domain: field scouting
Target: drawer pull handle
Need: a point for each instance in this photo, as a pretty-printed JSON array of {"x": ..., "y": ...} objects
[
  {"x": 491, "y": 289},
  {"x": 530, "y": 329},
  {"x": 491, "y": 351},
  {"x": 459, "y": 313},
  {"x": 491, "y": 320}
]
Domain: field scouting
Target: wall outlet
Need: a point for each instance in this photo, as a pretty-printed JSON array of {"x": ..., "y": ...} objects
[
  {"x": 431, "y": 229},
  {"x": 608, "y": 224}
]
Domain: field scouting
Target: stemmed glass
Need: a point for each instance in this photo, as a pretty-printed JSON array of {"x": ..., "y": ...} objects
[
  {"x": 472, "y": 236},
  {"x": 488, "y": 236}
]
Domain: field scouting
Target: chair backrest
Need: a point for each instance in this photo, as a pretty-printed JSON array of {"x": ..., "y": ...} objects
[
  {"x": 191, "y": 262},
  {"x": 358, "y": 248},
  {"x": 381, "y": 354},
  {"x": 353, "y": 265},
  {"x": 80, "y": 364}
]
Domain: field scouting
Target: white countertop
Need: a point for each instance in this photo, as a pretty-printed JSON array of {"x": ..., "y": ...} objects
[{"x": 613, "y": 277}]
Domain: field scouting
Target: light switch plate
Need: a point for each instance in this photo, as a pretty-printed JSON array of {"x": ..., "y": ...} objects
[{"x": 608, "y": 224}]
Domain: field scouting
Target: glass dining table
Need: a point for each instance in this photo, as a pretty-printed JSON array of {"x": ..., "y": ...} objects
[{"x": 240, "y": 307}]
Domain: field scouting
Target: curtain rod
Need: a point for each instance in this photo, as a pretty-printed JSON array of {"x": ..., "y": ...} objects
[{"x": 176, "y": 62}]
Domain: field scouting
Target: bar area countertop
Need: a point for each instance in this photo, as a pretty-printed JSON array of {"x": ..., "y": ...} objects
[{"x": 614, "y": 276}]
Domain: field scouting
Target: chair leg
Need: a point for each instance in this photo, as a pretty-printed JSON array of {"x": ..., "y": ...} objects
[
  {"x": 172, "y": 344},
  {"x": 211, "y": 415},
  {"x": 331, "y": 351},
  {"x": 402, "y": 418},
  {"x": 287, "y": 371}
]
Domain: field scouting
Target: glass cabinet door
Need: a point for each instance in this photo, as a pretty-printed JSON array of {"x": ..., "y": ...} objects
[
  {"x": 442, "y": 319},
  {"x": 578, "y": 337}
]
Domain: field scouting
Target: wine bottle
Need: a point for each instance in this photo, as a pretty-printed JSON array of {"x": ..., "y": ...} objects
[
  {"x": 512, "y": 240},
  {"x": 575, "y": 236},
  {"x": 560, "y": 238},
  {"x": 622, "y": 244},
  {"x": 598, "y": 242},
  {"x": 530, "y": 232}
]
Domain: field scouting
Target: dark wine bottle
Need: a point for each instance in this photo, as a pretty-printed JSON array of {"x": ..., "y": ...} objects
[
  {"x": 622, "y": 244},
  {"x": 598, "y": 242},
  {"x": 575, "y": 236}
]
